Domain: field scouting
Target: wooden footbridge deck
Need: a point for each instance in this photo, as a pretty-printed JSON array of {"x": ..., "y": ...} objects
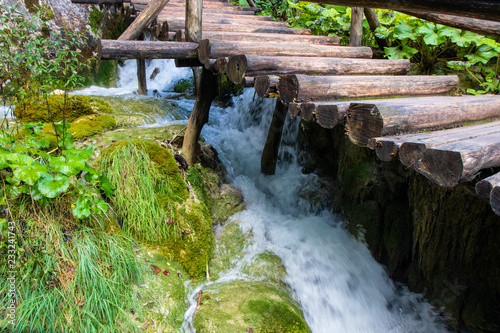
[{"x": 315, "y": 78}]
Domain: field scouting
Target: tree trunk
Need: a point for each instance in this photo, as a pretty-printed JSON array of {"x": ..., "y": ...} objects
[
  {"x": 356, "y": 30},
  {"x": 481, "y": 9},
  {"x": 120, "y": 49},
  {"x": 199, "y": 115},
  {"x": 302, "y": 88},
  {"x": 213, "y": 49},
  {"x": 370, "y": 119},
  {"x": 373, "y": 22},
  {"x": 271, "y": 148},
  {"x": 482, "y": 27},
  {"x": 268, "y": 37},
  {"x": 143, "y": 20},
  {"x": 194, "y": 12},
  {"x": 252, "y": 65}
]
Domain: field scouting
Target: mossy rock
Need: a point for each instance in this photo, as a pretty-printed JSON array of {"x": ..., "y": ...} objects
[
  {"x": 76, "y": 106},
  {"x": 183, "y": 84},
  {"x": 238, "y": 305},
  {"x": 266, "y": 265}
]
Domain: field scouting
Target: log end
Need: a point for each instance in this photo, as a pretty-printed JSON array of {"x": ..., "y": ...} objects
[
  {"x": 204, "y": 49},
  {"x": 262, "y": 83},
  {"x": 288, "y": 88},
  {"x": 411, "y": 152},
  {"x": 236, "y": 68},
  {"x": 483, "y": 189},
  {"x": 495, "y": 199},
  {"x": 294, "y": 109},
  {"x": 444, "y": 168},
  {"x": 327, "y": 116},
  {"x": 364, "y": 122},
  {"x": 386, "y": 150}
]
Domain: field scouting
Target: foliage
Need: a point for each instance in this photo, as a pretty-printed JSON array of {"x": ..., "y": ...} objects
[
  {"x": 427, "y": 43},
  {"x": 70, "y": 278},
  {"x": 183, "y": 84},
  {"x": 35, "y": 110},
  {"x": 95, "y": 19}
]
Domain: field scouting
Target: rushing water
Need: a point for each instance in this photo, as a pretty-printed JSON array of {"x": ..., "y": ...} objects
[{"x": 340, "y": 287}]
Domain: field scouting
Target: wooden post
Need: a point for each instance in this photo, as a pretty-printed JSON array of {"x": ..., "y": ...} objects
[
  {"x": 372, "y": 19},
  {"x": 199, "y": 115},
  {"x": 356, "y": 26},
  {"x": 194, "y": 13},
  {"x": 270, "y": 153},
  {"x": 141, "y": 76},
  {"x": 251, "y": 3}
]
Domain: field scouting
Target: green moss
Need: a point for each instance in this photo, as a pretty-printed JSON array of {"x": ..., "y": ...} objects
[
  {"x": 183, "y": 84},
  {"x": 95, "y": 19},
  {"x": 235, "y": 306},
  {"x": 227, "y": 90},
  {"x": 266, "y": 265},
  {"x": 37, "y": 111},
  {"x": 364, "y": 223},
  {"x": 358, "y": 181}
]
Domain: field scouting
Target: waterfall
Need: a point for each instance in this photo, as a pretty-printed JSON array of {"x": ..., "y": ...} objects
[{"x": 340, "y": 287}]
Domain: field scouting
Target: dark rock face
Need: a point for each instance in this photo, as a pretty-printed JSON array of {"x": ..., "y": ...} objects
[{"x": 439, "y": 241}]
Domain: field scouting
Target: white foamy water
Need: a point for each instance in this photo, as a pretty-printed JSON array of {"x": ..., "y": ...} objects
[{"x": 340, "y": 287}]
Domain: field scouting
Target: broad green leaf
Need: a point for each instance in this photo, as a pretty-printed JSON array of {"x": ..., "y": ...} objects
[
  {"x": 59, "y": 164},
  {"x": 81, "y": 208},
  {"x": 51, "y": 186},
  {"x": 106, "y": 186},
  {"x": 30, "y": 173},
  {"x": 19, "y": 159},
  {"x": 403, "y": 31},
  {"x": 465, "y": 39},
  {"x": 99, "y": 206}
]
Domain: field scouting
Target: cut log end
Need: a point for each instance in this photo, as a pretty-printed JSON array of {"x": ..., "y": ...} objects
[
  {"x": 363, "y": 123},
  {"x": 262, "y": 83},
  {"x": 495, "y": 199},
  {"x": 236, "y": 68},
  {"x": 288, "y": 89},
  {"x": 444, "y": 168},
  {"x": 483, "y": 189},
  {"x": 386, "y": 150},
  {"x": 204, "y": 49},
  {"x": 411, "y": 152}
]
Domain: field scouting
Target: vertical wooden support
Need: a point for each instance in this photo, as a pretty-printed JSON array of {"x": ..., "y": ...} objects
[
  {"x": 270, "y": 153},
  {"x": 199, "y": 115},
  {"x": 372, "y": 19},
  {"x": 141, "y": 76},
  {"x": 251, "y": 3},
  {"x": 194, "y": 12},
  {"x": 356, "y": 26}
]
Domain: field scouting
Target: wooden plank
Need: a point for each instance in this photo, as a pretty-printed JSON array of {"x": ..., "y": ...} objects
[
  {"x": 270, "y": 37},
  {"x": 367, "y": 120},
  {"x": 481, "y": 9},
  {"x": 241, "y": 65},
  {"x": 98, "y": 2},
  {"x": 194, "y": 12},
  {"x": 123, "y": 49},
  {"x": 482, "y": 27},
  {"x": 214, "y": 48},
  {"x": 252, "y": 20},
  {"x": 449, "y": 164},
  {"x": 302, "y": 88},
  {"x": 265, "y": 85},
  {"x": 257, "y": 28},
  {"x": 143, "y": 20},
  {"x": 248, "y": 82},
  {"x": 485, "y": 186}
]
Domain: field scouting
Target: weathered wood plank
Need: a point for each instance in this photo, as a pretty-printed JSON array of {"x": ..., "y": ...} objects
[
  {"x": 123, "y": 49},
  {"x": 481, "y": 9},
  {"x": 449, "y": 164},
  {"x": 194, "y": 12},
  {"x": 356, "y": 29},
  {"x": 326, "y": 114},
  {"x": 241, "y": 65},
  {"x": 367, "y": 120},
  {"x": 252, "y": 20},
  {"x": 213, "y": 48},
  {"x": 302, "y": 88},
  {"x": 270, "y": 153},
  {"x": 258, "y": 28}
]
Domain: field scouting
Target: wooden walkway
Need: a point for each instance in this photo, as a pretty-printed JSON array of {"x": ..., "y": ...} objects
[{"x": 315, "y": 78}]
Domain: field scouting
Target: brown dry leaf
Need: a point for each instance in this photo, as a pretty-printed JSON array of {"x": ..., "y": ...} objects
[{"x": 155, "y": 269}]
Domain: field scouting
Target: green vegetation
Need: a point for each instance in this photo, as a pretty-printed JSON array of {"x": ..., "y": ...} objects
[{"x": 183, "y": 84}]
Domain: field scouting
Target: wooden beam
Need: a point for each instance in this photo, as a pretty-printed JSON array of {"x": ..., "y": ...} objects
[
  {"x": 271, "y": 148},
  {"x": 485, "y": 186},
  {"x": 129, "y": 49},
  {"x": 252, "y": 20},
  {"x": 449, "y": 164},
  {"x": 177, "y": 15},
  {"x": 269, "y": 37},
  {"x": 257, "y": 28},
  {"x": 495, "y": 199},
  {"x": 482, "y": 27},
  {"x": 143, "y": 20},
  {"x": 98, "y": 2},
  {"x": 241, "y": 65},
  {"x": 481, "y": 9},
  {"x": 303, "y": 88},
  {"x": 248, "y": 82},
  {"x": 356, "y": 29},
  {"x": 366, "y": 120},
  {"x": 213, "y": 48},
  {"x": 199, "y": 115}
]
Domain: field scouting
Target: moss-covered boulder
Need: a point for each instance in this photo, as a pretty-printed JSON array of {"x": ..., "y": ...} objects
[
  {"x": 239, "y": 305},
  {"x": 154, "y": 204},
  {"x": 75, "y": 106}
]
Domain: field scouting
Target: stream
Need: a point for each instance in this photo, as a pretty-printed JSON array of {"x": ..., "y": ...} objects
[{"x": 340, "y": 287}]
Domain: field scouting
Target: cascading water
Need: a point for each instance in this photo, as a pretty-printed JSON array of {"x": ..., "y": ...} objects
[{"x": 334, "y": 278}]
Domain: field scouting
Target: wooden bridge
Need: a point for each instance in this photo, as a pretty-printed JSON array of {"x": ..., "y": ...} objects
[{"x": 315, "y": 78}]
